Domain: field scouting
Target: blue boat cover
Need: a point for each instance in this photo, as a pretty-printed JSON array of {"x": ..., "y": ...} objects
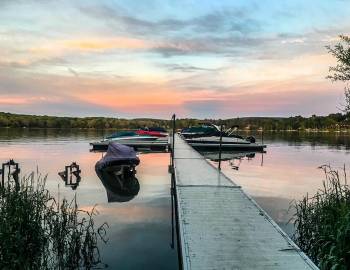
[{"x": 118, "y": 154}]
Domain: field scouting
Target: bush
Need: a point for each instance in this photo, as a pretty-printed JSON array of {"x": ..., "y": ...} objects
[
  {"x": 322, "y": 222},
  {"x": 38, "y": 232}
]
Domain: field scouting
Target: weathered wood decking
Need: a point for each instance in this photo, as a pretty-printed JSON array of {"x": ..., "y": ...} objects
[{"x": 220, "y": 227}]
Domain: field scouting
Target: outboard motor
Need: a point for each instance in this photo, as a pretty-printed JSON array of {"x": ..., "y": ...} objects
[{"x": 250, "y": 139}]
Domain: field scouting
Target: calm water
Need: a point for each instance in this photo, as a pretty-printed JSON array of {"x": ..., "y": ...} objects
[
  {"x": 288, "y": 170},
  {"x": 140, "y": 229}
]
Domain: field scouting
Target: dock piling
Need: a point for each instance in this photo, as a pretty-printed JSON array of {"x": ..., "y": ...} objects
[{"x": 220, "y": 147}]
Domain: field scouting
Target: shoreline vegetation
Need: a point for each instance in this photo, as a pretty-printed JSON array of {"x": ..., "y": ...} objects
[
  {"x": 336, "y": 122},
  {"x": 322, "y": 222},
  {"x": 40, "y": 232}
]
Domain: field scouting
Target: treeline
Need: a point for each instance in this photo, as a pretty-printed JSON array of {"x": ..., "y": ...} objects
[
  {"x": 335, "y": 121},
  {"x": 34, "y": 121}
]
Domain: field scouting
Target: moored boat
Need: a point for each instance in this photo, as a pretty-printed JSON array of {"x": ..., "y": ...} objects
[
  {"x": 209, "y": 136},
  {"x": 116, "y": 171},
  {"x": 133, "y": 139},
  {"x": 121, "y": 136},
  {"x": 153, "y": 131}
]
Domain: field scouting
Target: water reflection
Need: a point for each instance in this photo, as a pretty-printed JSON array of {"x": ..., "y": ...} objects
[
  {"x": 332, "y": 140},
  {"x": 116, "y": 171},
  {"x": 234, "y": 158},
  {"x": 226, "y": 155},
  {"x": 142, "y": 225},
  {"x": 118, "y": 190},
  {"x": 140, "y": 229},
  {"x": 71, "y": 175}
]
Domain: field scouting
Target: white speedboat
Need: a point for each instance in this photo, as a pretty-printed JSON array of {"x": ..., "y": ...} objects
[
  {"x": 213, "y": 142},
  {"x": 127, "y": 136},
  {"x": 210, "y": 137},
  {"x": 133, "y": 139}
]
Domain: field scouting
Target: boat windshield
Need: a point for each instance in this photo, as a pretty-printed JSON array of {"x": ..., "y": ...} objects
[{"x": 200, "y": 130}]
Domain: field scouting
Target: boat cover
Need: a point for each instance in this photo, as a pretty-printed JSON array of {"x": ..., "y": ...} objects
[{"x": 118, "y": 154}]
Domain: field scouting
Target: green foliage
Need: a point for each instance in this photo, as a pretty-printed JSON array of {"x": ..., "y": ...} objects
[
  {"x": 341, "y": 72},
  {"x": 323, "y": 222},
  {"x": 347, "y": 100},
  {"x": 341, "y": 51},
  {"x": 37, "y": 232},
  {"x": 335, "y": 121}
]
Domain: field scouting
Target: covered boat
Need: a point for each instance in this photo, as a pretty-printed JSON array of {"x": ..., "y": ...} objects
[
  {"x": 117, "y": 172},
  {"x": 118, "y": 155}
]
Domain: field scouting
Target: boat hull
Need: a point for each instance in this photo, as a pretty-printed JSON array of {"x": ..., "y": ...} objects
[
  {"x": 157, "y": 145},
  {"x": 228, "y": 146}
]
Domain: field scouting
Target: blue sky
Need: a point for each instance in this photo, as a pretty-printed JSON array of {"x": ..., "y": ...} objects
[{"x": 152, "y": 58}]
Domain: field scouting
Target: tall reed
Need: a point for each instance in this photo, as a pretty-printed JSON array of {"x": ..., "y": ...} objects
[
  {"x": 39, "y": 232},
  {"x": 322, "y": 222}
]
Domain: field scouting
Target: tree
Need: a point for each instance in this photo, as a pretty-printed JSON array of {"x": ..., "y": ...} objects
[{"x": 341, "y": 72}]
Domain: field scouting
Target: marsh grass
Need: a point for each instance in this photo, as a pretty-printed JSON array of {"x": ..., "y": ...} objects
[
  {"x": 322, "y": 222},
  {"x": 39, "y": 232}
]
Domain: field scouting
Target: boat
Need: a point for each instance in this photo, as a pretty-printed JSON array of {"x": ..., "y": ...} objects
[
  {"x": 200, "y": 130},
  {"x": 209, "y": 136},
  {"x": 122, "y": 136},
  {"x": 133, "y": 139},
  {"x": 117, "y": 172}
]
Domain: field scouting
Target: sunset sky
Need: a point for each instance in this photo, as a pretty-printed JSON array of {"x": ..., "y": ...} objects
[{"x": 152, "y": 58}]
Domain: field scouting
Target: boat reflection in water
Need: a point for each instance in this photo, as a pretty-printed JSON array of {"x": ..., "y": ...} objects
[
  {"x": 116, "y": 171},
  {"x": 119, "y": 190},
  {"x": 234, "y": 158}
]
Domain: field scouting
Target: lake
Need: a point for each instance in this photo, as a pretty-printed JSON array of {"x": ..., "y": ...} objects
[{"x": 140, "y": 229}]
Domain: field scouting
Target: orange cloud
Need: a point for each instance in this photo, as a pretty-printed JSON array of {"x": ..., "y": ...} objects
[
  {"x": 58, "y": 48},
  {"x": 128, "y": 93},
  {"x": 105, "y": 44},
  {"x": 13, "y": 101}
]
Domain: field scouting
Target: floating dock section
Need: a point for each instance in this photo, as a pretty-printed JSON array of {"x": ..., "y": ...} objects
[{"x": 220, "y": 227}]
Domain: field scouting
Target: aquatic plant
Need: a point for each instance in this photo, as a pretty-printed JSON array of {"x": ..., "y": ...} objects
[
  {"x": 39, "y": 232},
  {"x": 322, "y": 222}
]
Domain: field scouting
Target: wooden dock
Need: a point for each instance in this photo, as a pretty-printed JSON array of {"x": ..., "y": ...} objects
[{"x": 221, "y": 227}]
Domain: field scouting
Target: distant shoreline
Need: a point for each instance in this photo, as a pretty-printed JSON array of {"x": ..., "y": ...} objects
[
  {"x": 337, "y": 122},
  {"x": 238, "y": 130}
]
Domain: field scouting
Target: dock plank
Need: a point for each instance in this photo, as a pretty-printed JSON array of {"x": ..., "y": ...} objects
[{"x": 220, "y": 226}]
